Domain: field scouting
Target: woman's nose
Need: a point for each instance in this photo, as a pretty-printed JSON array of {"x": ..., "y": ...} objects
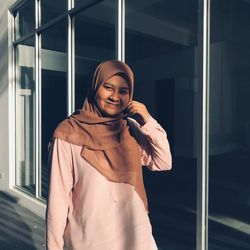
[{"x": 115, "y": 96}]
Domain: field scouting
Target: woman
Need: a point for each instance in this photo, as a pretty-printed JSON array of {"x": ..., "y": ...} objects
[{"x": 97, "y": 199}]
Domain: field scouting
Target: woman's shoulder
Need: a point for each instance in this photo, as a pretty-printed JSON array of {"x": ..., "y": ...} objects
[{"x": 60, "y": 144}]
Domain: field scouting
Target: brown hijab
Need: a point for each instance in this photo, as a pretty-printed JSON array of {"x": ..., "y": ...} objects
[{"x": 106, "y": 141}]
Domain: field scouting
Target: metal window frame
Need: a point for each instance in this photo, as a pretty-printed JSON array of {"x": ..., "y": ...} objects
[
  {"x": 12, "y": 46},
  {"x": 203, "y": 126},
  {"x": 13, "y": 9},
  {"x": 120, "y": 30},
  {"x": 85, "y": 5},
  {"x": 69, "y": 14},
  {"x": 71, "y": 62},
  {"x": 38, "y": 112},
  {"x": 17, "y": 5}
]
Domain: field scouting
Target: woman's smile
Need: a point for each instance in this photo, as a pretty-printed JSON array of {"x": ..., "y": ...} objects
[{"x": 115, "y": 105}]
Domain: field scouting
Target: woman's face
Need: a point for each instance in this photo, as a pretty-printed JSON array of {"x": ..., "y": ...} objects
[{"x": 112, "y": 96}]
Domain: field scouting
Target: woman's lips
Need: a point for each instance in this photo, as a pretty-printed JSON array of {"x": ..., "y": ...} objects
[{"x": 114, "y": 105}]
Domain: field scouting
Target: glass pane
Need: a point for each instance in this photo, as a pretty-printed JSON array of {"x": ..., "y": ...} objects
[
  {"x": 95, "y": 41},
  {"x": 161, "y": 47},
  {"x": 79, "y": 3},
  {"x": 229, "y": 132},
  {"x": 25, "y": 20},
  {"x": 51, "y": 9},
  {"x": 54, "y": 88},
  {"x": 25, "y": 116}
]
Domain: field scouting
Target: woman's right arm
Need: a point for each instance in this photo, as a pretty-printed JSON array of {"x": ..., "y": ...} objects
[{"x": 61, "y": 182}]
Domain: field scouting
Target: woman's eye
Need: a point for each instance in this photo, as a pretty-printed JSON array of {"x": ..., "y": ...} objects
[
  {"x": 124, "y": 92},
  {"x": 108, "y": 88}
]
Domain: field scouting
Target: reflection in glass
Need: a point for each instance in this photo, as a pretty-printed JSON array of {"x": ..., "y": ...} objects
[
  {"x": 229, "y": 131},
  {"x": 95, "y": 42},
  {"x": 161, "y": 44},
  {"x": 54, "y": 87},
  {"x": 25, "y": 20},
  {"x": 51, "y": 9},
  {"x": 25, "y": 116}
]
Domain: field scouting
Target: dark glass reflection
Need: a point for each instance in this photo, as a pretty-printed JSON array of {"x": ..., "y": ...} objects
[
  {"x": 95, "y": 42},
  {"x": 54, "y": 88},
  {"x": 25, "y": 20},
  {"x": 25, "y": 116},
  {"x": 229, "y": 131},
  {"x": 51, "y": 9},
  {"x": 161, "y": 47}
]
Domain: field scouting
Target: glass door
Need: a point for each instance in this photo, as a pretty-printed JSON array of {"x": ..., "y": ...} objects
[
  {"x": 229, "y": 133},
  {"x": 161, "y": 47}
]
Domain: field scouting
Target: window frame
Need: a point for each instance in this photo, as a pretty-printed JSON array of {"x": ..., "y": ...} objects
[{"x": 69, "y": 15}]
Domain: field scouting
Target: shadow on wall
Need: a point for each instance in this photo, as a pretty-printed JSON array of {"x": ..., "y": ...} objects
[
  {"x": 14, "y": 231},
  {"x": 3, "y": 50},
  {"x": 4, "y": 59}
]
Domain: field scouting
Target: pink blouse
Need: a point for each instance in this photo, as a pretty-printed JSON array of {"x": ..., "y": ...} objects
[{"x": 88, "y": 212}]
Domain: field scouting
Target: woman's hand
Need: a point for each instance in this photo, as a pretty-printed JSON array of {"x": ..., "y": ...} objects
[{"x": 138, "y": 111}]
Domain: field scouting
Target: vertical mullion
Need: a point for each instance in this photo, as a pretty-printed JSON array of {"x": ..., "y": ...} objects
[
  {"x": 73, "y": 61},
  {"x": 203, "y": 127},
  {"x": 71, "y": 64},
  {"x": 38, "y": 107},
  {"x": 121, "y": 31}
]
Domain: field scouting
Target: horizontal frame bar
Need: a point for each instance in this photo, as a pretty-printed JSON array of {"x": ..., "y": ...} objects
[
  {"x": 23, "y": 38},
  {"x": 51, "y": 23},
  {"x": 17, "y": 6},
  {"x": 86, "y": 4}
]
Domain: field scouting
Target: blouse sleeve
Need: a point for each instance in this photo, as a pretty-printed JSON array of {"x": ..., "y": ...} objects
[
  {"x": 154, "y": 145},
  {"x": 61, "y": 182}
]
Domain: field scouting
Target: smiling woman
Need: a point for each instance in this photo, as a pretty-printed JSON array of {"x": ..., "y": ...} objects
[{"x": 96, "y": 163}]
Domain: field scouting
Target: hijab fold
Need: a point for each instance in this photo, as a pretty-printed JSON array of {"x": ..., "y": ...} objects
[{"x": 107, "y": 143}]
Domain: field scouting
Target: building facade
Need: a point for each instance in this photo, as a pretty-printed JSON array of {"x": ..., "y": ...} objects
[{"x": 190, "y": 60}]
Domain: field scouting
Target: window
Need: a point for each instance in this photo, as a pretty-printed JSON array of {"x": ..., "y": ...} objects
[
  {"x": 56, "y": 47},
  {"x": 55, "y": 56},
  {"x": 54, "y": 67},
  {"x": 229, "y": 130},
  {"x": 25, "y": 19},
  {"x": 52, "y": 9},
  {"x": 95, "y": 41},
  {"x": 25, "y": 116},
  {"x": 161, "y": 45}
]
